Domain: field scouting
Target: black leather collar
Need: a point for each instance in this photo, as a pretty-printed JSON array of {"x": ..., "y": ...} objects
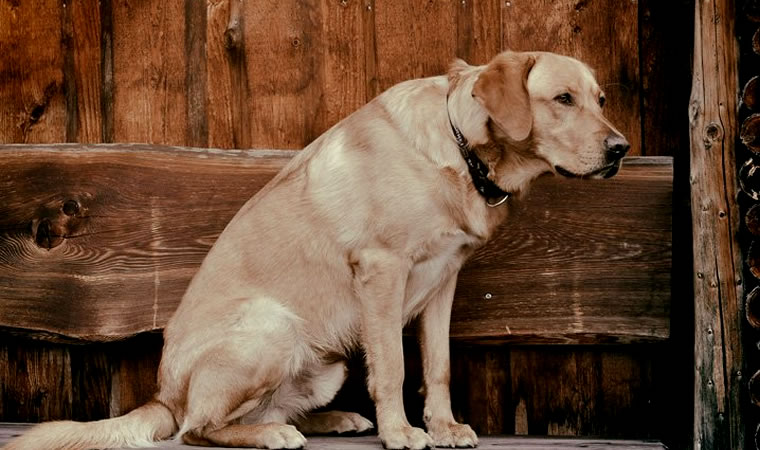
[{"x": 478, "y": 170}]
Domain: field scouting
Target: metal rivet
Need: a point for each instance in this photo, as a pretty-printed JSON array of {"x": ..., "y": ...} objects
[{"x": 488, "y": 296}]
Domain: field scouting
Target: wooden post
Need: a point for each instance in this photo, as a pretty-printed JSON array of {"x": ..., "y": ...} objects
[{"x": 718, "y": 289}]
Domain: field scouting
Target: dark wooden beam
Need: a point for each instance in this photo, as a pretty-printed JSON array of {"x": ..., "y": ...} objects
[{"x": 99, "y": 242}]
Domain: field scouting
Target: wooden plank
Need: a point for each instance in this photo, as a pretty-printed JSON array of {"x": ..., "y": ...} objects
[
  {"x": 149, "y": 97},
  {"x": 10, "y": 430},
  {"x": 718, "y": 389},
  {"x": 576, "y": 258},
  {"x": 284, "y": 38},
  {"x": 32, "y": 102},
  {"x": 604, "y": 34},
  {"x": 479, "y": 30},
  {"x": 122, "y": 244},
  {"x": 196, "y": 73},
  {"x": 405, "y": 30},
  {"x": 586, "y": 392},
  {"x": 35, "y": 380},
  {"x": 88, "y": 70}
]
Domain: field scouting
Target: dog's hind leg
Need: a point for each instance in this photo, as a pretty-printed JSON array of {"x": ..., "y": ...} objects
[{"x": 316, "y": 389}]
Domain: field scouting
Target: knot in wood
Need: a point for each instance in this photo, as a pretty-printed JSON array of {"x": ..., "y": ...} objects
[{"x": 713, "y": 131}]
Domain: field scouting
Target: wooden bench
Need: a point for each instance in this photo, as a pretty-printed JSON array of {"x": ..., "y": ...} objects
[{"x": 97, "y": 243}]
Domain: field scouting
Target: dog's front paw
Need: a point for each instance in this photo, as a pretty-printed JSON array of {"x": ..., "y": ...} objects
[
  {"x": 406, "y": 437},
  {"x": 452, "y": 435}
]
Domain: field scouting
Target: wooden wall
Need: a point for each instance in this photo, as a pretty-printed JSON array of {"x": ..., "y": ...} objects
[{"x": 266, "y": 74}]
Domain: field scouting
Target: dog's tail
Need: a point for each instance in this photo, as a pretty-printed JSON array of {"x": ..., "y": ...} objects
[{"x": 140, "y": 428}]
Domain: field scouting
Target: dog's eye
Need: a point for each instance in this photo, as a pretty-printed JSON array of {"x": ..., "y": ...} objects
[
  {"x": 565, "y": 99},
  {"x": 602, "y": 100}
]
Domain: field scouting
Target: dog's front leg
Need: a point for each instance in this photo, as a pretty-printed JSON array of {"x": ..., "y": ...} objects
[
  {"x": 434, "y": 340},
  {"x": 380, "y": 280}
]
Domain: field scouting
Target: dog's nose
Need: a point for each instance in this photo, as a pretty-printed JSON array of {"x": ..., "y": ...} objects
[{"x": 616, "y": 146}]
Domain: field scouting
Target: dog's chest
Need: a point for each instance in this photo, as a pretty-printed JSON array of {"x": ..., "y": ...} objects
[{"x": 441, "y": 259}]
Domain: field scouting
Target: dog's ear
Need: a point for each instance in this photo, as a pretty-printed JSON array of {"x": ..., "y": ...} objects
[{"x": 501, "y": 90}]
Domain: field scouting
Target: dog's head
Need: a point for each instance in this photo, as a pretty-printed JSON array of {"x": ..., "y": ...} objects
[{"x": 554, "y": 103}]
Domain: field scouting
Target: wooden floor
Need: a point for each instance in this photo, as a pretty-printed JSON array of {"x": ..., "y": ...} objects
[{"x": 10, "y": 430}]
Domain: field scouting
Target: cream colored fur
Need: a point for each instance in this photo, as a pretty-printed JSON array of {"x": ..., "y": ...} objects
[{"x": 364, "y": 230}]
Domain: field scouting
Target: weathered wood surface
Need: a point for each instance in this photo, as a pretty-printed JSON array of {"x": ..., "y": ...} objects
[
  {"x": 718, "y": 293},
  {"x": 102, "y": 244},
  {"x": 234, "y": 74},
  {"x": 10, "y": 430}
]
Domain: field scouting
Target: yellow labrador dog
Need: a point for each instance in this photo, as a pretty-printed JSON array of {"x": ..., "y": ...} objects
[{"x": 364, "y": 230}]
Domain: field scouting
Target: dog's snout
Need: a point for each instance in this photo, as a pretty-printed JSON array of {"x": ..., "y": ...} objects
[{"x": 616, "y": 146}]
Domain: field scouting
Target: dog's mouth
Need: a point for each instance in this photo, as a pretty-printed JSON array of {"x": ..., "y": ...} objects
[{"x": 605, "y": 172}]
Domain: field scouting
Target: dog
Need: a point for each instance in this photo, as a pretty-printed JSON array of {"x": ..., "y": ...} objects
[{"x": 362, "y": 231}]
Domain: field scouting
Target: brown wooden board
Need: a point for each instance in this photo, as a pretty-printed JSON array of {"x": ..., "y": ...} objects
[
  {"x": 719, "y": 389},
  {"x": 99, "y": 242},
  {"x": 32, "y": 103},
  {"x": 149, "y": 90}
]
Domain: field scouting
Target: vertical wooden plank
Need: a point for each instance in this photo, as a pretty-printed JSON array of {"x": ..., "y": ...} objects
[
  {"x": 226, "y": 83},
  {"x": 35, "y": 380},
  {"x": 149, "y": 95},
  {"x": 574, "y": 392},
  {"x": 32, "y": 103},
  {"x": 134, "y": 372},
  {"x": 285, "y": 68},
  {"x": 480, "y": 388},
  {"x": 88, "y": 76},
  {"x": 478, "y": 30},
  {"x": 602, "y": 33},
  {"x": 344, "y": 82},
  {"x": 414, "y": 39},
  {"x": 370, "y": 50},
  {"x": 718, "y": 292},
  {"x": 195, "y": 72},
  {"x": 91, "y": 381},
  {"x": 106, "y": 75}
]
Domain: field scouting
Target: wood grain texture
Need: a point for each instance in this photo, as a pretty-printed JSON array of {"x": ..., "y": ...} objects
[
  {"x": 35, "y": 380},
  {"x": 284, "y": 38},
  {"x": 32, "y": 100},
  {"x": 88, "y": 70},
  {"x": 592, "y": 392},
  {"x": 406, "y": 29},
  {"x": 478, "y": 30},
  {"x": 718, "y": 292},
  {"x": 580, "y": 28},
  {"x": 114, "y": 249},
  {"x": 149, "y": 91},
  {"x": 10, "y": 430},
  {"x": 575, "y": 259}
]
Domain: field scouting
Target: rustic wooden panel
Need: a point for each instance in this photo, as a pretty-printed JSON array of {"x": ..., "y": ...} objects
[
  {"x": 479, "y": 30},
  {"x": 404, "y": 30},
  {"x": 603, "y": 34},
  {"x": 35, "y": 380},
  {"x": 129, "y": 232},
  {"x": 149, "y": 96},
  {"x": 718, "y": 292},
  {"x": 114, "y": 249},
  {"x": 585, "y": 392},
  {"x": 285, "y": 69},
  {"x": 196, "y": 72},
  {"x": 91, "y": 380},
  {"x": 344, "y": 80},
  {"x": 134, "y": 367},
  {"x": 87, "y": 70},
  {"x": 571, "y": 254},
  {"x": 32, "y": 102}
]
